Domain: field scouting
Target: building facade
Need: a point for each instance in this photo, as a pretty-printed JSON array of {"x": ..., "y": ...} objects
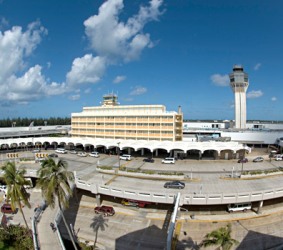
[{"x": 128, "y": 122}]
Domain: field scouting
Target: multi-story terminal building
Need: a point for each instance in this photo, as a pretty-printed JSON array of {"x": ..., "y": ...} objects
[{"x": 129, "y": 122}]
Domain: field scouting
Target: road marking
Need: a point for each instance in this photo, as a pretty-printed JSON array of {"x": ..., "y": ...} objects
[{"x": 176, "y": 234}]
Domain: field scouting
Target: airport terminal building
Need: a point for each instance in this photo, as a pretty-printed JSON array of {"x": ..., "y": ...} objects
[{"x": 127, "y": 122}]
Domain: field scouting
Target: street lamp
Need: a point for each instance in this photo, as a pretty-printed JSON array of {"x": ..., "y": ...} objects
[
  {"x": 243, "y": 159},
  {"x": 118, "y": 149}
]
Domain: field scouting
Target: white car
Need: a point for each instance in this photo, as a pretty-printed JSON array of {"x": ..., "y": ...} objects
[
  {"x": 61, "y": 151},
  {"x": 73, "y": 152},
  {"x": 169, "y": 160},
  {"x": 278, "y": 158},
  {"x": 82, "y": 154},
  {"x": 94, "y": 154},
  {"x": 125, "y": 157},
  {"x": 36, "y": 150},
  {"x": 3, "y": 188}
]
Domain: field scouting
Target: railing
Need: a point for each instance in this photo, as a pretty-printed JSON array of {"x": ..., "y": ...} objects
[{"x": 186, "y": 199}]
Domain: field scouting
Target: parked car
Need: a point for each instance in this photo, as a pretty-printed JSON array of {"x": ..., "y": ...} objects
[
  {"x": 82, "y": 154},
  {"x": 61, "y": 151},
  {"x": 94, "y": 154},
  {"x": 244, "y": 160},
  {"x": 148, "y": 160},
  {"x": 73, "y": 152},
  {"x": 53, "y": 155},
  {"x": 168, "y": 160},
  {"x": 36, "y": 150},
  {"x": 125, "y": 157},
  {"x": 104, "y": 210},
  {"x": 134, "y": 203},
  {"x": 174, "y": 184},
  {"x": 239, "y": 207},
  {"x": 258, "y": 159},
  {"x": 278, "y": 158},
  {"x": 7, "y": 209}
]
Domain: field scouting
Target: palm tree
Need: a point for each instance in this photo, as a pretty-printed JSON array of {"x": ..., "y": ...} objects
[
  {"x": 220, "y": 237},
  {"x": 98, "y": 222},
  {"x": 16, "y": 183},
  {"x": 54, "y": 181}
]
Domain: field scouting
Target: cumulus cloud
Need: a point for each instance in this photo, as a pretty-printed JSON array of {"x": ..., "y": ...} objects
[
  {"x": 119, "y": 79},
  {"x": 138, "y": 90},
  {"x": 74, "y": 97},
  {"x": 112, "y": 41},
  {"x": 87, "y": 69},
  {"x": 254, "y": 94},
  {"x": 257, "y": 66},
  {"x": 117, "y": 40},
  {"x": 19, "y": 84},
  {"x": 274, "y": 99},
  {"x": 220, "y": 80}
]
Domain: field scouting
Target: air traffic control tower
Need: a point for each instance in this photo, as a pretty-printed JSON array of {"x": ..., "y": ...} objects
[{"x": 239, "y": 83}]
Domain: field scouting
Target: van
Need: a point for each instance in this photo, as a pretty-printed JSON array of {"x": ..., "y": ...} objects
[
  {"x": 239, "y": 207},
  {"x": 61, "y": 151},
  {"x": 168, "y": 160},
  {"x": 125, "y": 157}
]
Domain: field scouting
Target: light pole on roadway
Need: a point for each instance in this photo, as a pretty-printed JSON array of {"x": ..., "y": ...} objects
[{"x": 118, "y": 143}]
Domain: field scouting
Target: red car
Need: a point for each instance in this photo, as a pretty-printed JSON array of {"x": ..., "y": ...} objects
[
  {"x": 134, "y": 203},
  {"x": 7, "y": 209},
  {"x": 104, "y": 210}
]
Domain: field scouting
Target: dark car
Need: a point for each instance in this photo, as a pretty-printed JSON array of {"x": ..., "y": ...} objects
[
  {"x": 53, "y": 155},
  {"x": 258, "y": 159},
  {"x": 244, "y": 160},
  {"x": 104, "y": 210},
  {"x": 174, "y": 184},
  {"x": 7, "y": 209},
  {"x": 148, "y": 160}
]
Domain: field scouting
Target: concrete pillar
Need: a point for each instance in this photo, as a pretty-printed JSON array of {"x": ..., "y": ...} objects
[
  {"x": 259, "y": 207},
  {"x": 129, "y": 151},
  {"x": 98, "y": 200},
  {"x": 142, "y": 151},
  {"x": 156, "y": 152}
]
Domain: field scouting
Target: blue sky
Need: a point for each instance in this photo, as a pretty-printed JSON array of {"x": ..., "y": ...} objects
[{"x": 59, "y": 56}]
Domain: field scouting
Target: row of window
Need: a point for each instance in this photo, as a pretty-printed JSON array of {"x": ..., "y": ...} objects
[
  {"x": 122, "y": 117},
  {"x": 124, "y": 137},
  {"x": 122, "y": 131},
  {"x": 122, "y": 124}
]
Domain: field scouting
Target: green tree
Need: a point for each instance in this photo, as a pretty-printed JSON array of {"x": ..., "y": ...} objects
[
  {"x": 16, "y": 183},
  {"x": 54, "y": 181},
  {"x": 221, "y": 238}
]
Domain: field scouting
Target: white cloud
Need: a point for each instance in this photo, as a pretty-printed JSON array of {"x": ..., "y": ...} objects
[
  {"x": 220, "y": 80},
  {"x": 87, "y": 69},
  {"x": 3, "y": 22},
  {"x": 87, "y": 91},
  {"x": 254, "y": 94},
  {"x": 138, "y": 90},
  {"x": 274, "y": 99},
  {"x": 74, "y": 97},
  {"x": 19, "y": 84},
  {"x": 116, "y": 40},
  {"x": 119, "y": 79},
  {"x": 257, "y": 66}
]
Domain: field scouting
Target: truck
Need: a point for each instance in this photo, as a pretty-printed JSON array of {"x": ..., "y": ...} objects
[{"x": 104, "y": 210}]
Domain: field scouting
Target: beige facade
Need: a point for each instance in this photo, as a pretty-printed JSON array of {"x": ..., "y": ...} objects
[{"x": 136, "y": 122}]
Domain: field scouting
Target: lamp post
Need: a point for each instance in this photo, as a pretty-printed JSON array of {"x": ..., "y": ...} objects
[
  {"x": 118, "y": 143},
  {"x": 244, "y": 156}
]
